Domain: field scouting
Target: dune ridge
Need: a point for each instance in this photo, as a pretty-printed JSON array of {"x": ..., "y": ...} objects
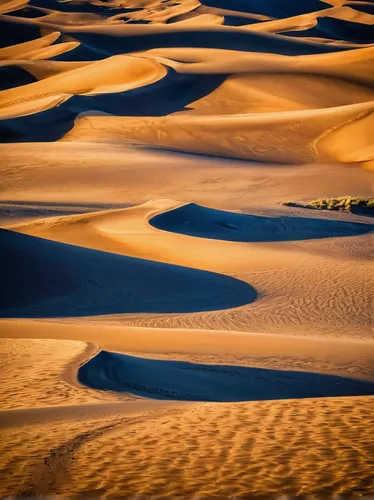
[
  {"x": 240, "y": 136},
  {"x": 221, "y": 242},
  {"x": 174, "y": 321},
  {"x": 171, "y": 25}
]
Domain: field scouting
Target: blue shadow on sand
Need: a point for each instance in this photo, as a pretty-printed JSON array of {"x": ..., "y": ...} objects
[
  {"x": 179, "y": 380},
  {"x": 202, "y": 222},
  {"x": 150, "y": 100},
  {"x": 44, "y": 278}
]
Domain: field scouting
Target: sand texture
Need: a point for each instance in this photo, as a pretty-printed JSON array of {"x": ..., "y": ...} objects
[{"x": 169, "y": 327}]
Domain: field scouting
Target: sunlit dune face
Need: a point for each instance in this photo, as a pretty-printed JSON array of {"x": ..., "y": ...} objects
[
  {"x": 186, "y": 300},
  {"x": 245, "y": 71}
]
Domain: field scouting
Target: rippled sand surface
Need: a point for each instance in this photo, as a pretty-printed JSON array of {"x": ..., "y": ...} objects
[{"x": 168, "y": 327}]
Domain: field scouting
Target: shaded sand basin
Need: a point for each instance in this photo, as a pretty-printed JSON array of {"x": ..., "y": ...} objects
[
  {"x": 143, "y": 243},
  {"x": 207, "y": 382},
  {"x": 77, "y": 282},
  {"x": 194, "y": 220},
  {"x": 273, "y": 441},
  {"x": 161, "y": 63},
  {"x": 310, "y": 275}
]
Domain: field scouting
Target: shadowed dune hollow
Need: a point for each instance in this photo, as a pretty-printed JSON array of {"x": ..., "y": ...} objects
[
  {"x": 46, "y": 278},
  {"x": 133, "y": 62},
  {"x": 203, "y": 222},
  {"x": 160, "y": 379},
  {"x": 122, "y": 294}
]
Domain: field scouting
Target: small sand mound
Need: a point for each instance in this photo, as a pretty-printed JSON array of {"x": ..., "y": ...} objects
[
  {"x": 203, "y": 222},
  {"x": 160, "y": 379}
]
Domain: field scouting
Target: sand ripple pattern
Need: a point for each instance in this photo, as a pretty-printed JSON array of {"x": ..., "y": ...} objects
[
  {"x": 200, "y": 77},
  {"x": 329, "y": 299},
  {"x": 263, "y": 447},
  {"x": 235, "y": 105}
]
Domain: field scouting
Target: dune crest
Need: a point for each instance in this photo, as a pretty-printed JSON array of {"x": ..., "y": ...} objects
[
  {"x": 184, "y": 312},
  {"x": 248, "y": 137},
  {"x": 116, "y": 74}
]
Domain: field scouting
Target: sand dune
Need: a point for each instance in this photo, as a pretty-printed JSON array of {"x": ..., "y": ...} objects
[
  {"x": 252, "y": 93},
  {"x": 352, "y": 64},
  {"x": 347, "y": 358},
  {"x": 11, "y": 5},
  {"x": 159, "y": 425},
  {"x": 239, "y": 136},
  {"x": 306, "y": 21},
  {"x": 164, "y": 313},
  {"x": 116, "y": 74},
  {"x": 74, "y": 282},
  {"x": 212, "y": 240},
  {"x": 22, "y": 49},
  {"x": 208, "y": 57},
  {"x": 198, "y": 382},
  {"x": 43, "y": 69},
  {"x": 195, "y": 220}
]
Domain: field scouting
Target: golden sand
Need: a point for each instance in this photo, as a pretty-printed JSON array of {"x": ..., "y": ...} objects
[{"x": 168, "y": 328}]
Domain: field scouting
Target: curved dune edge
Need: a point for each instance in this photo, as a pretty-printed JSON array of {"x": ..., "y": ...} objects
[
  {"x": 203, "y": 222},
  {"x": 352, "y": 141},
  {"x": 274, "y": 254},
  {"x": 306, "y": 21},
  {"x": 56, "y": 362},
  {"x": 217, "y": 240},
  {"x": 310, "y": 276},
  {"x": 58, "y": 351},
  {"x": 22, "y": 49},
  {"x": 353, "y": 65},
  {"x": 77, "y": 281},
  {"x": 43, "y": 68},
  {"x": 342, "y": 357},
  {"x": 51, "y": 375},
  {"x": 70, "y": 374},
  {"x": 115, "y": 74},
  {"x": 185, "y": 381},
  {"x": 247, "y": 137}
]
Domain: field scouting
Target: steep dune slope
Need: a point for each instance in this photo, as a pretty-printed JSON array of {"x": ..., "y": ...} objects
[
  {"x": 249, "y": 137},
  {"x": 310, "y": 274},
  {"x": 45, "y": 278},
  {"x": 164, "y": 313},
  {"x": 116, "y": 74}
]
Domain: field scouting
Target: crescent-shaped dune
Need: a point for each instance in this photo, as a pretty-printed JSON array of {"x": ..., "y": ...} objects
[
  {"x": 195, "y": 220},
  {"x": 116, "y": 74},
  {"x": 244, "y": 136},
  {"x": 18, "y": 50},
  {"x": 161, "y": 379},
  {"x": 186, "y": 304},
  {"x": 77, "y": 282}
]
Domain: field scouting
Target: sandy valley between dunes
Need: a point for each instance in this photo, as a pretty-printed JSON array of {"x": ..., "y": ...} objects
[{"x": 169, "y": 328}]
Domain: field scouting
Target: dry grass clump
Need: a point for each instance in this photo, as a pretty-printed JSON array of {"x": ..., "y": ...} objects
[{"x": 343, "y": 203}]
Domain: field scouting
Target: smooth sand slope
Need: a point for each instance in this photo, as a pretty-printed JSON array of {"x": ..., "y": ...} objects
[
  {"x": 69, "y": 285},
  {"x": 304, "y": 284},
  {"x": 207, "y": 382},
  {"x": 243, "y": 136},
  {"x": 275, "y": 266},
  {"x": 67, "y": 448},
  {"x": 169, "y": 328}
]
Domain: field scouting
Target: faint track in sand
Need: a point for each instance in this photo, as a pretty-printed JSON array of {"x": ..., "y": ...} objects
[{"x": 55, "y": 470}]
